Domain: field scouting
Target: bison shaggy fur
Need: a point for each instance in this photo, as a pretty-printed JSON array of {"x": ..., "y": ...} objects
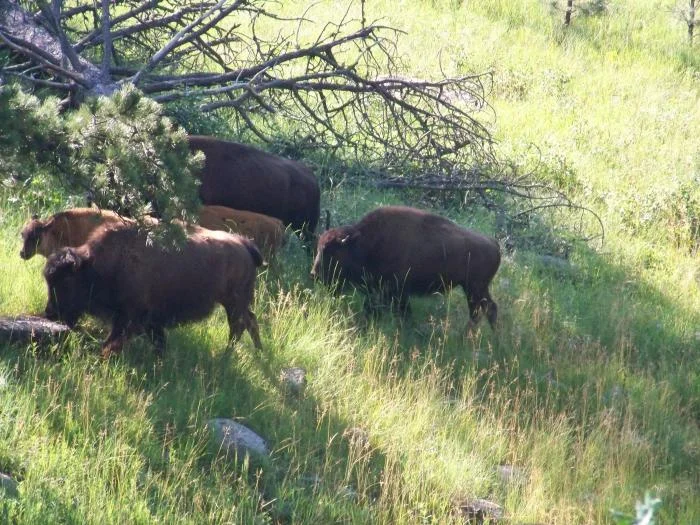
[
  {"x": 405, "y": 251},
  {"x": 140, "y": 287}
]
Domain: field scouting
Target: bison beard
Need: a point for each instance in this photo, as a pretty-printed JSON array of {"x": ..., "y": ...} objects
[
  {"x": 403, "y": 251},
  {"x": 141, "y": 288}
]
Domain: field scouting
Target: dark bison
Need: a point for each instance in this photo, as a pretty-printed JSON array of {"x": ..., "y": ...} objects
[
  {"x": 404, "y": 251},
  {"x": 245, "y": 178},
  {"x": 67, "y": 228},
  {"x": 140, "y": 287}
]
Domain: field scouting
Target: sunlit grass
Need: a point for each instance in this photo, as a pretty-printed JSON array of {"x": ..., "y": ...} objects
[{"x": 590, "y": 388}]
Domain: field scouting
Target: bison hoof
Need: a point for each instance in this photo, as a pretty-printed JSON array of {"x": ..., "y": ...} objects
[{"x": 111, "y": 349}]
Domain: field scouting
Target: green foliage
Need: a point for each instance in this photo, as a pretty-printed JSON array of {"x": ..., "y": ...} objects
[
  {"x": 132, "y": 157},
  {"x": 675, "y": 208},
  {"x": 590, "y": 388},
  {"x": 121, "y": 152},
  {"x": 33, "y": 134},
  {"x": 191, "y": 118}
]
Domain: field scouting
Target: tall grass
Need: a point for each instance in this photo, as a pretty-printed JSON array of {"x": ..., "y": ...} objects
[{"x": 589, "y": 389}]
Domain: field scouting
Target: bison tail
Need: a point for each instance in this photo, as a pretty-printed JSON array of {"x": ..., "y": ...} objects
[{"x": 254, "y": 252}]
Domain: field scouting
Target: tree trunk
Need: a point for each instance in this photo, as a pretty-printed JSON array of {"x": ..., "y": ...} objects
[
  {"x": 691, "y": 21},
  {"x": 569, "y": 10},
  {"x": 22, "y": 33}
]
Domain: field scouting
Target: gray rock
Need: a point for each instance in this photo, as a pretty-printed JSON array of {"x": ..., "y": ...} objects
[
  {"x": 479, "y": 511},
  {"x": 558, "y": 265},
  {"x": 8, "y": 486},
  {"x": 293, "y": 380},
  {"x": 357, "y": 437},
  {"x": 236, "y": 438}
]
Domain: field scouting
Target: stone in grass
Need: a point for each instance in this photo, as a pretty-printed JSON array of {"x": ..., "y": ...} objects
[
  {"x": 478, "y": 511},
  {"x": 357, "y": 437},
  {"x": 234, "y": 438},
  {"x": 293, "y": 380},
  {"x": 8, "y": 486},
  {"x": 559, "y": 266}
]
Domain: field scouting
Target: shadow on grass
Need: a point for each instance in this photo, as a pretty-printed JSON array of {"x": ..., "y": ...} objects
[{"x": 311, "y": 475}]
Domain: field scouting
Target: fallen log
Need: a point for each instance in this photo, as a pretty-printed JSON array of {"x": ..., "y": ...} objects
[{"x": 28, "y": 328}]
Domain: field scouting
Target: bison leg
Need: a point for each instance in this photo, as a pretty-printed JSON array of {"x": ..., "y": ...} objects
[
  {"x": 157, "y": 335},
  {"x": 491, "y": 310},
  {"x": 115, "y": 341},
  {"x": 253, "y": 329},
  {"x": 480, "y": 301},
  {"x": 240, "y": 321}
]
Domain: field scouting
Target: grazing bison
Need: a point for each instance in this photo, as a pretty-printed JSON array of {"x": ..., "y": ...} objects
[
  {"x": 246, "y": 178},
  {"x": 67, "y": 228},
  {"x": 266, "y": 232},
  {"x": 140, "y": 287},
  {"x": 406, "y": 251}
]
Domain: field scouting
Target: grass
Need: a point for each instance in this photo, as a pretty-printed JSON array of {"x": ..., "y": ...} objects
[{"x": 590, "y": 387}]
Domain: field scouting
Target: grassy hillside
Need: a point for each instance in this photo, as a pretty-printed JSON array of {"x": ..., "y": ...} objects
[{"x": 590, "y": 388}]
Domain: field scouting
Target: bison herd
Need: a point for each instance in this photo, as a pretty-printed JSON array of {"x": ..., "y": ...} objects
[{"x": 102, "y": 264}]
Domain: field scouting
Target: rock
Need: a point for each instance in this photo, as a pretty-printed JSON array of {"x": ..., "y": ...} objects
[
  {"x": 8, "y": 486},
  {"x": 27, "y": 328},
  {"x": 479, "y": 511},
  {"x": 293, "y": 380},
  {"x": 558, "y": 265},
  {"x": 236, "y": 438},
  {"x": 357, "y": 437}
]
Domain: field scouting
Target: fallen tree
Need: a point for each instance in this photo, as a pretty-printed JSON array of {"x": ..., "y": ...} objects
[{"x": 342, "y": 88}]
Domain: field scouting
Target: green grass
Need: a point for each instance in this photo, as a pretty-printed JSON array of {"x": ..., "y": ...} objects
[{"x": 591, "y": 385}]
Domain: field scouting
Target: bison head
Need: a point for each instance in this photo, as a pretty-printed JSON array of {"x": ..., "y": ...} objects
[
  {"x": 32, "y": 235},
  {"x": 337, "y": 256},
  {"x": 69, "y": 286}
]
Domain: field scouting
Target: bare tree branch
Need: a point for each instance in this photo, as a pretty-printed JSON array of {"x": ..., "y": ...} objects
[{"x": 174, "y": 42}]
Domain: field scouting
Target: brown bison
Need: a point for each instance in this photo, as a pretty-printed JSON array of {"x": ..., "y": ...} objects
[
  {"x": 140, "y": 287},
  {"x": 404, "y": 251},
  {"x": 246, "y": 178},
  {"x": 67, "y": 228},
  {"x": 266, "y": 232}
]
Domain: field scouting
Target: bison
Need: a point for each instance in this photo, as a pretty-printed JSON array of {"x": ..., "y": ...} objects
[
  {"x": 266, "y": 232},
  {"x": 405, "y": 251},
  {"x": 245, "y": 178},
  {"x": 67, "y": 228},
  {"x": 116, "y": 275}
]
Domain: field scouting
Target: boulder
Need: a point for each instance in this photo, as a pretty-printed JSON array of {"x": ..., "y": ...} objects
[
  {"x": 293, "y": 380},
  {"x": 235, "y": 438},
  {"x": 479, "y": 511},
  {"x": 8, "y": 486}
]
